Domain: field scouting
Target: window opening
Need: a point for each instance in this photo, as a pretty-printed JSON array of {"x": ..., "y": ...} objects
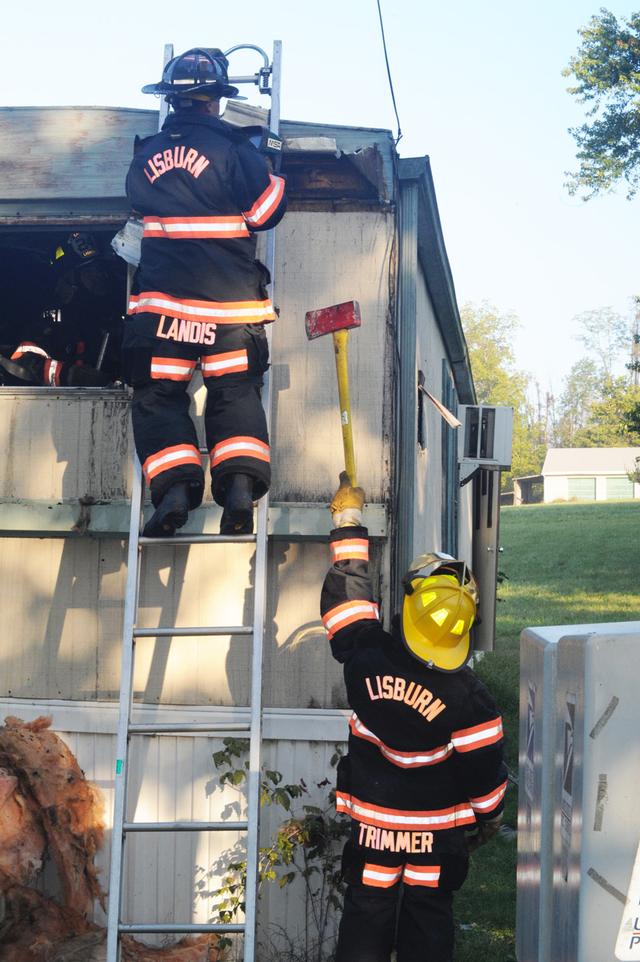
[
  {"x": 62, "y": 308},
  {"x": 422, "y": 441},
  {"x": 450, "y": 473}
]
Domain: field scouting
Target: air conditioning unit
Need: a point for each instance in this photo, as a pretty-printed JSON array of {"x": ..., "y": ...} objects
[{"x": 484, "y": 439}]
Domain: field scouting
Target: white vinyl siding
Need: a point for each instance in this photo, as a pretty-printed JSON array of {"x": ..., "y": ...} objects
[{"x": 175, "y": 876}]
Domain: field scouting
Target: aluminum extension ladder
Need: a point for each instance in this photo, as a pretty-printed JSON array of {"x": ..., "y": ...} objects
[{"x": 268, "y": 81}]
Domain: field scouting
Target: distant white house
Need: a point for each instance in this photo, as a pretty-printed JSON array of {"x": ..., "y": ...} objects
[{"x": 590, "y": 474}]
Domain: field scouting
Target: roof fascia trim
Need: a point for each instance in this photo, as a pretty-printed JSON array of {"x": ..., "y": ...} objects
[{"x": 433, "y": 259}]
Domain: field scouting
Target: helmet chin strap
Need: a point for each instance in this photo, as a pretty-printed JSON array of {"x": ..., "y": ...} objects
[{"x": 201, "y": 105}]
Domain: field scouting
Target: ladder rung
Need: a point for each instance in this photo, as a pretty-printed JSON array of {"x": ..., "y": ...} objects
[
  {"x": 191, "y": 632},
  {"x": 200, "y": 539},
  {"x": 185, "y": 826},
  {"x": 181, "y": 927},
  {"x": 162, "y": 727}
]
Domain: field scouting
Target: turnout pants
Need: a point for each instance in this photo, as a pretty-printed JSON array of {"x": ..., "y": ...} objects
[
  {"x": 398, "y": 903},
  {"x": 159, "y": 370},
  {"x": 417, "y": 921}
]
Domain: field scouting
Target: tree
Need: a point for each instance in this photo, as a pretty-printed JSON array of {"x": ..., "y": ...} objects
[
  {"x": 489, "y": 337},
  {"x": 634, "y": 363},
  {"x": 581, "y": 390},
  {"x": 607, "y": 70},
  {"x": 611, "y": 419},
  {"x": 606, "y": 335},
  {"x": 597, "y": 402},
  {"x": 633, "y": 421}
]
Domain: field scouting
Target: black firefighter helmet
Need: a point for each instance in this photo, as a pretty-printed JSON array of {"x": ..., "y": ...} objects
[
  {"x": 198, "y": 74},
  {"x": 78, "y": 249},
  {"x": 80, "y": 268}
]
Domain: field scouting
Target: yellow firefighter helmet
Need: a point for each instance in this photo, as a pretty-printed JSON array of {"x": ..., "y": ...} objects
[{"x": 439, "y": 608}]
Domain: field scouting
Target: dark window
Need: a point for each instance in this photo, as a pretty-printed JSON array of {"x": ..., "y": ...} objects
[
  {"x": 422, "y": 440},
  {"x": 63, "y": 290},
  {"x": 450, "y": 475}
]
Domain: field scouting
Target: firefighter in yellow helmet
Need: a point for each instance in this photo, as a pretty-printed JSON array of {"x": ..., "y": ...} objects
[
  {"x": 440, "y": 602},
  {"x": 424, "y": 781}
]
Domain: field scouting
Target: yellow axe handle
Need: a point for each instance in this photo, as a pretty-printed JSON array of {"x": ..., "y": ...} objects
[{"x": 340, "y": 340}]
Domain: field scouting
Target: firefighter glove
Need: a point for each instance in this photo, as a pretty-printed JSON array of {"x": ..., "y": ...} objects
[
  {"x": 346, "y": 506},
  {"x": 482, "y": 832},
  {"x": 82, "y": 375}
]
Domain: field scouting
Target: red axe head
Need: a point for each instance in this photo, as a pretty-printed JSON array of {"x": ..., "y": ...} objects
[{"x": 330, "y": 319}]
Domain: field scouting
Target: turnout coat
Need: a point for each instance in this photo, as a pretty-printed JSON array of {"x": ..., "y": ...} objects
[
  {"x": 199, "y": 293},
  {"x": 203, "y": 191},
  {"x": 425, "y": 747}
]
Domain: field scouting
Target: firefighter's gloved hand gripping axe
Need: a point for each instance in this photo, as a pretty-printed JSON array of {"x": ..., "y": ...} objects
[{"x": 338, "y": 320}]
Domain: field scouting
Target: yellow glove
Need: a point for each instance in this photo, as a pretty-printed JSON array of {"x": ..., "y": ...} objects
[{"x": 346, "y": 506}]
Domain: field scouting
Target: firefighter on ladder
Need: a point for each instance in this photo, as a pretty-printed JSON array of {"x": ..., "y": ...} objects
[
  {"x": 424, "y": 780},
  {"x": 199, "y": 293}
]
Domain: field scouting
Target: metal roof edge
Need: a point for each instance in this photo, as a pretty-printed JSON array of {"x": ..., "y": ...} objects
[
  {"x": 587, "y": 473},
  {"x": 313, "y": 125},
  {"x": 154, "y": 110},
  {"x": 130, "y": 110},
  {"x": 432, "y": 256}
]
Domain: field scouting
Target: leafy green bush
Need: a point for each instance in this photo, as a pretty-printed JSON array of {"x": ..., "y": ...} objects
[{"x": 307, "y": 846}]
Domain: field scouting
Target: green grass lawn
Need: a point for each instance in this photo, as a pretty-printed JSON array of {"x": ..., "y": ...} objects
[{"x": 563, "y": 564}]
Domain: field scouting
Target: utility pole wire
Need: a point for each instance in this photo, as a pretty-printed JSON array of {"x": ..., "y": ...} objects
[{"x": 386, "y": 60}]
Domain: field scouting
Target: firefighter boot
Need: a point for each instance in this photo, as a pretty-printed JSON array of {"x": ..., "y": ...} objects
[
  {"x": 170, "y": 514},
  {"x": 237, "y": 517}
]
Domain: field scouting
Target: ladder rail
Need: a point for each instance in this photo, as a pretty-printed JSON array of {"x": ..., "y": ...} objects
[
  {"x": 116, "y": 886},
  {"x": 124, "y": 714},
  {"x": 259, "y": 608}
]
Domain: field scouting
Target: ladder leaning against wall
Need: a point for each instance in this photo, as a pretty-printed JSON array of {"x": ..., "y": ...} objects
[{"x": 267, "y": 79}]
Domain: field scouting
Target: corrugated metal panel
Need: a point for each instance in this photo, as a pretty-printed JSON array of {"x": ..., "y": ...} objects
[
  {"x": 65, "y": 444},
  {"x": 324, "y": 259},
  {"x": 78, "y": 155},
  {"x": 62, "y": 615},
  {"x": 430, "y": 352}
]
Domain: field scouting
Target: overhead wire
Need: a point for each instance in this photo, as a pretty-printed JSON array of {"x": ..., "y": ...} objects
[
  {"x": 386, "y": 60},
  {"x": 393, "y": 288}
]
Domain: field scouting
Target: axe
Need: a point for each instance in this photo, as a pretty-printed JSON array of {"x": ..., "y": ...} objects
[{"x": 337, "y": 320}]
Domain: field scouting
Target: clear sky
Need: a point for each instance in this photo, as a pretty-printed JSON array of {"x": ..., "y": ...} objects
[{"x": 478, "y": 87}]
